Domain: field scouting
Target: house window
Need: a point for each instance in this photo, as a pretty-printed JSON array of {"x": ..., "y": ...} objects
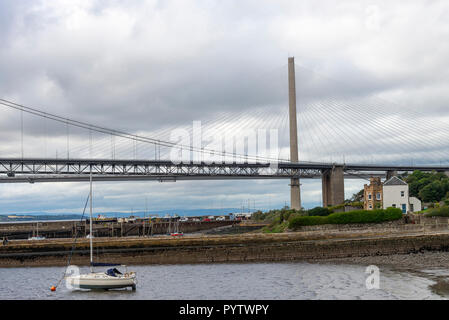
[
  {"x": 369, "y": 196},
  {"x": 412, "y": 209},
  {"x": 370, "y": 206},
  {"x": 402, "y": 193},
  {"x": 378, "y": 196},
  {"x": 394, "y": 205}
]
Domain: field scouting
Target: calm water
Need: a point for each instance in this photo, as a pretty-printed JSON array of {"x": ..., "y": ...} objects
[{"x": 237, "y": 281}]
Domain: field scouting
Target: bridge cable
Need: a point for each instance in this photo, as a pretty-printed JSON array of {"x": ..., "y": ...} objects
[{"x": 108, "y": 131}]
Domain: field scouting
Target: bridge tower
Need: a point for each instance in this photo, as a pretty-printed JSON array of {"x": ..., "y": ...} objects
[
  {"x": 333, "y": 186},
  {"x": 295, "y": 192}
]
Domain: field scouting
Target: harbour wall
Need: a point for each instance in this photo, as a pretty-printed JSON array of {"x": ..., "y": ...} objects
[
  {"x": 67, "y": 229},
  {"x": 220, "y": 249}
]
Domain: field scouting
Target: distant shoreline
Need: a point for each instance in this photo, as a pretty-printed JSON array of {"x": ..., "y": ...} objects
[{"x": 112, "y": 214}]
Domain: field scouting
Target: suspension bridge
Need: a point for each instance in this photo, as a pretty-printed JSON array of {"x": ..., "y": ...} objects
[{"x": 383, "y": 133}]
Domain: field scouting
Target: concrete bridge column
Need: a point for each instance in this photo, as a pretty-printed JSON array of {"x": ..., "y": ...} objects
[
  {"x": 333, "y": 186},
  {"x": 391, "y": 173},
  {"x": 295, "y": 194}
]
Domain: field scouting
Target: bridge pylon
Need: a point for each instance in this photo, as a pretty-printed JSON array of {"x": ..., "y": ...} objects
[
  {"x": 333, "y": 186},
  {"x": 295, "y": 189}
]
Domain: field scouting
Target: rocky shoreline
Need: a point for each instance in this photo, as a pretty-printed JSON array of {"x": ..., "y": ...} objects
[{"x": 409, "y": 261}]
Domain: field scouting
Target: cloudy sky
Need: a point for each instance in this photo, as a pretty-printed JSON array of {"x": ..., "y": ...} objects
[{"x": 372, "y": 81}]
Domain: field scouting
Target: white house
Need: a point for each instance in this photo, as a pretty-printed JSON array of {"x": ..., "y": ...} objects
[{"x": 395, "y": 194}]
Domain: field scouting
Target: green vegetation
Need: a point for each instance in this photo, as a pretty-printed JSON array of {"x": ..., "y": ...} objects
[
  {"x": 279, "y": 219},
  {"x": 348, "y": 203},
  {"x": 276, "y": 215},
  {"x": 276, "y": 227},
  {"x": 356, "y": 216},
  {"x": 319, "y": 211},
  {"x": 429, "y": 187},
  {"x": 285, "y": 218},
  {"x": 357, "y": 197},
  {"x": 437, "y": 212},
  {"x": 307, "y": 221}
]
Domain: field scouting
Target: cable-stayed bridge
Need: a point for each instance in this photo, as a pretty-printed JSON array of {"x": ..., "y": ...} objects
[{"x": 112, "y": 155}]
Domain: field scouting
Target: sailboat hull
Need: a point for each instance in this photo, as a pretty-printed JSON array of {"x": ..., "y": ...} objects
[
  {"x": 107, "y": 280},
  {"x": 101, "y": 281}
]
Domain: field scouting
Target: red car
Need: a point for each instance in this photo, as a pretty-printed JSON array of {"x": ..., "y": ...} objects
[{"x": 177, "y": 234}]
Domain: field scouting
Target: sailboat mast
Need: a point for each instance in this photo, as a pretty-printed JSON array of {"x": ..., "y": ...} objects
[{"x": 90, "y": 227}]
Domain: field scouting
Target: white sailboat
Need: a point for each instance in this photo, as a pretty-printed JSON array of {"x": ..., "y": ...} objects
[
  {"x": 176, "y": 232},
  {"x": 36, "y": 237},
  {"x": 111, "y": 279}
]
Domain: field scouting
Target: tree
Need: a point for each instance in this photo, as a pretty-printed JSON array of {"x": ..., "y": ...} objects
[
  {"x": 430, "y": 186},
  {"x": 434, "y": 191},
  {"x": 357, "y": 197}
]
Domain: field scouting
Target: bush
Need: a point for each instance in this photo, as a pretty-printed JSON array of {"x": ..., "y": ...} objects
[
  {"x": 277, "y": 216},
  {"x": 275, "y": 228},
  {"x": 356, "y": 216},
  {"x": 438, "y": 212},
  {"x": 356, "y": 204},
  {"x": 337, "y": 207},
  {"x": 306, "y": 221},
  {"x": 319, "y": 211},
  {"x": 393, "y": 214}
]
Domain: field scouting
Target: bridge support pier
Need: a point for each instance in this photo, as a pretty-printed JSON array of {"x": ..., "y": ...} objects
[
  {"x": 333, "y": 186},
  {"x": 391, "y": 173},
  {"x": 295, "y": 194}
]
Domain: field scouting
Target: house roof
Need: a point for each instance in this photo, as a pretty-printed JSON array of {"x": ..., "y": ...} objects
[{"x": 395, "y": 181}]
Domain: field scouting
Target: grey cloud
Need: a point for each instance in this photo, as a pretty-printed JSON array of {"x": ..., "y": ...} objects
[{"x": 145, "y": 66}]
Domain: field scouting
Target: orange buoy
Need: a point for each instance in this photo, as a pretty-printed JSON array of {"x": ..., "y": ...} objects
[{"x": 53, "y": 288}]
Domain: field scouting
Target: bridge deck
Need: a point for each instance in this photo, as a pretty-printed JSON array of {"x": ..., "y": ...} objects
[{"x": 45, "y": 170}]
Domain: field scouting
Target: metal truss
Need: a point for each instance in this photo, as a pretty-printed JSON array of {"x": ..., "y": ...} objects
[
  {"x": 34, "y": 170},
  {"x": 42, "y": 170}
]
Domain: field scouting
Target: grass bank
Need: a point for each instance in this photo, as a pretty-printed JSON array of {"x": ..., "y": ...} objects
[
  {"x": 283, "y": 219},
  {"x": 356, "y": 216}
]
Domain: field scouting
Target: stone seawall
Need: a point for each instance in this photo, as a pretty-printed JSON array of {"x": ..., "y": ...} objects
[
  {"x": 248, "y": 248},
  {"x": 411, "y": 223},
  {"x": 67, "y": 229}
]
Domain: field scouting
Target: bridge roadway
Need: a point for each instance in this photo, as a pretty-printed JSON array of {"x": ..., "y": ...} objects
[{"x": 46, "y": 170}]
